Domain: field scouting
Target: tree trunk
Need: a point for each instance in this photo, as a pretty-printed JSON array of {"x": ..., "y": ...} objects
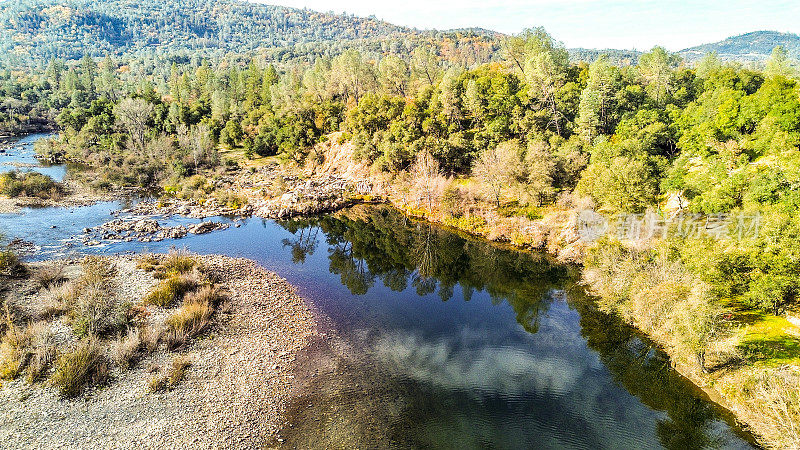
[{"x": 701, "y": 361}]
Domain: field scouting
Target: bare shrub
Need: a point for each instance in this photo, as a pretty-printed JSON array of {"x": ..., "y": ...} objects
[
  {"x": 125, "y": 350},
  {"x": 497, "y": 169},
  {"x": 176, "y": 374},
  {"x": 776, "y": 402},
  {"x": 428, "y": 184},
  {"x": 43, "y": 348},
  {"x": 50, "y": 274}
]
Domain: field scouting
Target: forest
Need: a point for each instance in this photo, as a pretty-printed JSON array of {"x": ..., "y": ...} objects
[
  {"x": 34, "y": 31},
  {"x": 469, "y": 128},
  {"x": 533, "y": 127}
]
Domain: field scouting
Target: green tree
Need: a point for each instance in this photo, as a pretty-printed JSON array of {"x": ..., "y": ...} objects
[
  {"x": 597, "y": 99},
  {"x": 655, "y": 68}
]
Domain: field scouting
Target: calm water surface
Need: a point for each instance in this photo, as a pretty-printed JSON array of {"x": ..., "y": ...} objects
[
  {"x": 22, "y": 157},
  {"x": 435, "y": 340}
]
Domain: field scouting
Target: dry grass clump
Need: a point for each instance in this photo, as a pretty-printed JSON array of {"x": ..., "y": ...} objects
[
  {"x": 50, "y": 274},
  {"x": 83, "y": 366},
  {"x": 206, "y": 295},
  {"x": 126, "y": 350},
  {"x": 43, "y": 350},
  {"x": 150, "y": 337},
  {"x": 14, "y": 349},
  {"x": 194, "y": 316},
  {"x": 190, "y": 320},
  {"x": 175, "y": 375},
  {"x": 171, "y": 290},
  {"x": 10, "y": 264},
  {"x": 177, "y": 262}
]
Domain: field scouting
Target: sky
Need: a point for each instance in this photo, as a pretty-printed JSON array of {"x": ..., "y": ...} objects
[{"x": 623, "y": 24}]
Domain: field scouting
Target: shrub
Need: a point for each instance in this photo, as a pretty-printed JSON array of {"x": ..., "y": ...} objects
[
  {"x": 179, "y": 262},
  {"x": 96, "y": 271},
  {"x": 148, "y": 263},
  {"x": 510, "y": 209},
  {"x": 178, "y": 370},
  {"x": 451, "y": 202},
  {"x": 125, "y": 350},
  {"x": 97, "y": 313},
  {"x": 158, "y": 383},
  {"x": 170, "y": 290},
  {"x": 190, "y": 320},
  {"x": 10, "y": 264},
  {"x": 31, "y": 184},
  {"x": 656, "y": 292},
  {"x": 50, "y": 274},
  {"x": 43, "y": 348},
  {"x": 175, "y": 375},
  {"x": 14, "y": 351},
  {"x": 85, "y": 365}
]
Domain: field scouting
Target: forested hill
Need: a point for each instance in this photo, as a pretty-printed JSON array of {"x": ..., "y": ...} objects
[
  {"x": 35, "y": 31},
  {"x": 755, "y": 46},
  {"x": 32, "y": 32}
]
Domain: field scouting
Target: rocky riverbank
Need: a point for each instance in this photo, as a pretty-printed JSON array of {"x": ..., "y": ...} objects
[
  {"x": 234, "y": 391},
  {"x": 271, "y": 194},
  {"x": 146, "y": 230}
]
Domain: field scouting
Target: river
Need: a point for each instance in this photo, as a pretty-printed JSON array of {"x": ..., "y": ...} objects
[{"x": 435, "y": 339}]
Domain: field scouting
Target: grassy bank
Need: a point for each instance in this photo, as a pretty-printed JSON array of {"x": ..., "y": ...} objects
[
  {"x": 746, "y": 359},
  {"x": 75, "y": 325}
]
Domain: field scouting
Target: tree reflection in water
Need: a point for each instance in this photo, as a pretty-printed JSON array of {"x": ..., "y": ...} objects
[
  {"x": 375, "y": 243},
  {"x": 370, "y": 244}
]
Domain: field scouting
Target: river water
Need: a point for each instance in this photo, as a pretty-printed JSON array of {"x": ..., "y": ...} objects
[{"x": 438, "y": 340}]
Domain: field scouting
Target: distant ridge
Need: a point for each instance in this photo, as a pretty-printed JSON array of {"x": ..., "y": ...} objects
[
  {"x": 753, "y": 46},
  {"x": 34, "y": 31}
]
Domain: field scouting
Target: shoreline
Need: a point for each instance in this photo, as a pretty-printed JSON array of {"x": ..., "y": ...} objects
[
  {"x": 235, "y": 390},
  {"x": 326, "y": 192},
  {"x": 559, "y": 240}
]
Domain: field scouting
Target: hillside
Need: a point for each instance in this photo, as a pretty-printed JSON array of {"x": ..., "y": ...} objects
[
  {"x": 754, "y": 46},
  {"x": 33, "y": 31},
  {"x": 617, "y": 57},
  {"x": 54, "y": 28}
]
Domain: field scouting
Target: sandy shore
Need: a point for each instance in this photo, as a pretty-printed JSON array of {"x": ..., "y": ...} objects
[{"x": 234, "y": 393}]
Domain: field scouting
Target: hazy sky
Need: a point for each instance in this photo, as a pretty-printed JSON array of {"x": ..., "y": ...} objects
[{"x": 640, "y": 24}]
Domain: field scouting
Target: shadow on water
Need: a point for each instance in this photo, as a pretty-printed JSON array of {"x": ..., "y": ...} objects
[{"x": 450, "y": 342}]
